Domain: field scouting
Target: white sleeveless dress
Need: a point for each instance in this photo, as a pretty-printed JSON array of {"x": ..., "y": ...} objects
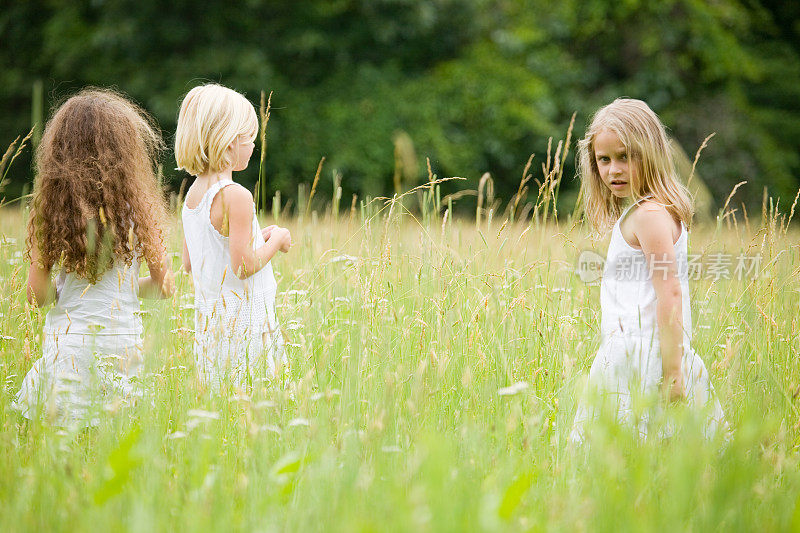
[
  {"x": 628, "y": 360},
  {"x": 236, "y": 329},
  {"x": 91, "y": 350}
]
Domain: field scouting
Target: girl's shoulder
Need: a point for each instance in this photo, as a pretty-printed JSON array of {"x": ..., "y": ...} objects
[
  {"x": 651, "y": 219},
  {"x": 233, "y": 202},
  {"x": 194, "y": 195},
  {"x": 650, "y": 209},
  {"x": 231, "y": 193},
  {"x": 235, "y": 196}
]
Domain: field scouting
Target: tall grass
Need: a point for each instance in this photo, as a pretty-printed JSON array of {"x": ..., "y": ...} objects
[
  {"x": 401, "y": 333},
  {"x": 435, "y": 365}
]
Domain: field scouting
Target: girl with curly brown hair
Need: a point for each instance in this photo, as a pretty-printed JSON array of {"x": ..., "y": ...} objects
[{"x": 97, "y": 210}]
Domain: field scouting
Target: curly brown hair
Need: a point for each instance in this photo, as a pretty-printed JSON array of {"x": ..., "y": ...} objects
[{"x": 96, "y": 197}]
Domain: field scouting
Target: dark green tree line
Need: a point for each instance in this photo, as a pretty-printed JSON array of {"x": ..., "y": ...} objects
[{"x": 477, "y": 85}]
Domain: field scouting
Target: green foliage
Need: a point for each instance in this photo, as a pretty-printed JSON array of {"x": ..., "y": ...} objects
[
  {"x": 478, "y": 85},
  {"x": 121, "y": 462},
  {"x": 400, "y": 338}
]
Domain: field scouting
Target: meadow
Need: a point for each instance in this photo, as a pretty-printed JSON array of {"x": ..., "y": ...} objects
[{"x": 435, "y": 366}]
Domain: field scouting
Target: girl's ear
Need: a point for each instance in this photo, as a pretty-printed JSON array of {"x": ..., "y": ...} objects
[{"x": 230, "y": 153}]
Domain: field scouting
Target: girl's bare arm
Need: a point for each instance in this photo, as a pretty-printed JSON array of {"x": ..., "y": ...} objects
[
  {"x": 185, "y": 259},
  {"x": 239, "y": 210},
  {"x": 653, "y": 228},
  {"x": 161, "y": 281},
  {"x": 41, "y": 289}
]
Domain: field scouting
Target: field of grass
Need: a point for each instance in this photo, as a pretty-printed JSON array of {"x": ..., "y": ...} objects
[{"x": 403, "y": 335}]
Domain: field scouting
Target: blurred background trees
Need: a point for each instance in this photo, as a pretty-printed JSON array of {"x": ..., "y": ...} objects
[{"x": 474, "y": 85}]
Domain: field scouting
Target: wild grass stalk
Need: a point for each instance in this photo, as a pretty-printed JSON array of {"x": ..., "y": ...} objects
[
  {"x": 522, "y": 189},
  {"x": 260, "y": 196},
  {"x": 485, "y": 193},
  {"x": 561, "y": 166},
  {"x": 337, "y": 194},
  {"x": 432, "y": 383},
  {"x": 37, "y": 111},
  {"x": 697, "y": 157},
  {"x": 12, "y": 152},
  {"x": 314, "y": 185}
]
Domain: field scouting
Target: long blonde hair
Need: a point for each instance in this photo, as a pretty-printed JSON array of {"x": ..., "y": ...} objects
[
  {"x": 653, "y": 170},
  {"x": 96, "y": 197}
]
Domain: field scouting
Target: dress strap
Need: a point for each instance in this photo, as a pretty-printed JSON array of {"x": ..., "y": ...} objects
[
  {"x": 212, "y": 191},
  {"x": 634, "y": 204}
]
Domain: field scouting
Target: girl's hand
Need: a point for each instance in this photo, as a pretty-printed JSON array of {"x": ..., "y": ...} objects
[
  {"x": 161, "y": 281},
  {"x": 266, "y": 232},
  {"x": 283, "y": 238},
  {"x": 673, "y": 388}
]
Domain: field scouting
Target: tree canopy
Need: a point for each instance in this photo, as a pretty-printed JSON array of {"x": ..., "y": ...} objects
[{"x": 476, "y": 85}]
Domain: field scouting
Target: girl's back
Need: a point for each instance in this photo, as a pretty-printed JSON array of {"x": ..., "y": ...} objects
[
  {"x": 236, "y": 330},
  {"x": 96, "y": 213},
  {"x": 110, "y": 306},
  {"x": 244, "y": 303}
]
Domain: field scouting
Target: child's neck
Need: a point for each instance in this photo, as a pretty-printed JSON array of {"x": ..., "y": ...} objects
[{"x": 210, "y": 178}]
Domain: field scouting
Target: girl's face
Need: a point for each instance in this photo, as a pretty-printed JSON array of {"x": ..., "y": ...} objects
[
  {"x": 242, "y": 149},
  {"x": 613, "y": 163}
]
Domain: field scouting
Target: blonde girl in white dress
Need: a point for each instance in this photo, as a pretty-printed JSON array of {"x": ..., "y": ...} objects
[
  {"x": 96, "y": 213},
  {"x": 237, "y": 335},
  {"x": 646, "y": 321}
]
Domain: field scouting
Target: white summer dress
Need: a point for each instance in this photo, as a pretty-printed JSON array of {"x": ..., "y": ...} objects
[
  {"x": 629, "y": 358},
  {"x": 236, "y": 330},
  {"x": 91, "y": 350}
]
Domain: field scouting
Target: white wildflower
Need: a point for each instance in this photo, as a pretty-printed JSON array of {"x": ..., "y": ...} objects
[
  {"x": 511, "y": 390},
  {"x": 344, "y": 258},
  {"x": 391, "y": 449},
  {"x": 293, "y": 325},
  {"x": 295, "y": 292},
  {"x": 199, "y": 413},
  {"x": 244, "y": 398}
]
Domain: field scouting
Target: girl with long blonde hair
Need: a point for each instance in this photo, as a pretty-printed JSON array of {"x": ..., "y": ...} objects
[{"x": 629, "y": 186}]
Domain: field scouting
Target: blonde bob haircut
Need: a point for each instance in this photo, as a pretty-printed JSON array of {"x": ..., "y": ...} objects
[
  {"x": 210, "y": 120},
  {"x": 652, "y": 168}
]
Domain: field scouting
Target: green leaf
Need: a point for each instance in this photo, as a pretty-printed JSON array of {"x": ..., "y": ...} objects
[
  {"x": 121, "y": 463},
  {"x": 514, "y": 493}
]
